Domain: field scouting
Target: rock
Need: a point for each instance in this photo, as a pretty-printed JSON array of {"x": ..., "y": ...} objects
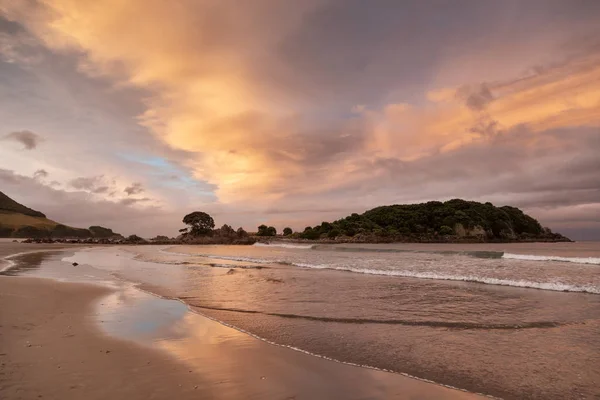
[
  {"x": 75, "y": 264},
  {"x": 231, "y": 271}
]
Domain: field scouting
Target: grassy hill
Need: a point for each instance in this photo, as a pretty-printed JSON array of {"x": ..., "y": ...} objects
[
  {"x": 17, "y": 220},
  {"x": 8, "y": 205}
]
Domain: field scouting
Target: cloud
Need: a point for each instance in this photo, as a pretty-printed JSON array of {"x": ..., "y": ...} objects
[
  {"x": 135, "y": 188},
  {"x": 86, "y": 183},
  {"x": 28, "y": 139},
  {"x": 280, "y": 109},
  {"x": 476, "y": 98},
  {"x": 81, "y": 210},
  {"x": 130, "y": 201},
  {"x": 40, "y": 174}
]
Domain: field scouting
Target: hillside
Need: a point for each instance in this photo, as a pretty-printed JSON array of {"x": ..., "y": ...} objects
[
  {"x": 19, "y": 221},
  {"x": 8, "y": 205},
  {"x": 453, "y": 220}
]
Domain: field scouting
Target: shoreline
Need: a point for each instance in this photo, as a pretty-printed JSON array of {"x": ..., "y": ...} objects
[
  {"x": 47, "y": 353},
  {"x": 69, "y": 362}
]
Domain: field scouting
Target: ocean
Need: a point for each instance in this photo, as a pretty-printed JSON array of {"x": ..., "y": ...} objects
[{"x": 506, "y": 320}]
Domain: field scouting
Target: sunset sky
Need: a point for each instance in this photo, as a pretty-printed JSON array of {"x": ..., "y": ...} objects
[{"x": 132, "y": 113}]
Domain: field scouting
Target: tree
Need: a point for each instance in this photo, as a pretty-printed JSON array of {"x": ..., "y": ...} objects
[
  {"x": 310, "y": 233},
  {"x": 446, "y": 230},
  {"x": 287, "y": 231},
  {"x": 226, "y": 231},
  {"x": 332, "y": 234},
  {"x": 200, "y": 223},
  {"x": 264, "y": 230},
  {"x": 135, "y": 239}
]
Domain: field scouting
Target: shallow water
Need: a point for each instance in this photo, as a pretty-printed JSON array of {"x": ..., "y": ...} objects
[{"x": 463, "y": 315}]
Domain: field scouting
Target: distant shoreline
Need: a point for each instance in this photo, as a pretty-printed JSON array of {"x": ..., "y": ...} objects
[{"x": 283, "y": 239}]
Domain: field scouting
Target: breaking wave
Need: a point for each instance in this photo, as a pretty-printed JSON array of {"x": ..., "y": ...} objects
[
  {"x": 530, "y": 257},
  {"x": 554, "y": 286}
]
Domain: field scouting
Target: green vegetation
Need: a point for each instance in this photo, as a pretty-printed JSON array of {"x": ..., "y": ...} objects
[
  {"x": 264, "y": 230},
  {"x": 19, "y": 221},
  {"x": 200, "y": 231},
  {"x": 434, "y": 221},
  {"x": 287, "y": 231},
  {"x": 8, "y": 205},
  {"x": 101, "y": 232}
]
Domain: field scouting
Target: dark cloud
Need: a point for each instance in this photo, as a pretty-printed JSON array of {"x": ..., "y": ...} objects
[
  {"x": 101, "y": 189},
  {"x": 28, "y": 139},
  {"x": 131, "y": 201},
  {"x": 9, "y": 177},
  {"x": 133, "y": 189},
  {"x": 87, "y": 183},
  {"x": 92, "y": 184},
  {"x": 40, "y": 174},
  {"x": 475, "y": 97}
]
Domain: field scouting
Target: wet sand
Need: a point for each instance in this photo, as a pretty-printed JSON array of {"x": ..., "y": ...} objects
[
  {"x": 52, "y": 347},
  {"x": 8, "y": 247}
]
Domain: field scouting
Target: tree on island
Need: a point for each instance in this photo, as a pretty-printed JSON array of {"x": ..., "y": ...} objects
[
  {"x": 200, "y": 223},
  {"x": 446, "y": 230},
  {"x": 264, "y": 230},
  {"x": 287, "y": 231},
  {"x": 452, "y": 220}
]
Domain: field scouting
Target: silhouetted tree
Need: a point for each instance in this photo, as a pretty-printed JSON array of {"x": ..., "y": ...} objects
[
  {"x": 287, "y": 231},
  {"x": 200, "y": 223},
  {"x": 264, "y": 230}
]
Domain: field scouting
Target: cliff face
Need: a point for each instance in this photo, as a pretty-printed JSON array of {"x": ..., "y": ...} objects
[{"x": 19, "y": 221}]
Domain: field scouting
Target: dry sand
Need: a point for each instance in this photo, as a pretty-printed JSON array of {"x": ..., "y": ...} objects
[{"x": 51, "y": 348}]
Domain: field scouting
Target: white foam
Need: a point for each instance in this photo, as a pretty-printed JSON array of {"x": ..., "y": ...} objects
[
  {"x": 10, "y": 265},
  {"x": 285, "y": 245},
  {"x": 554, "y": 286},
  {"x": 530, "y": 257}
]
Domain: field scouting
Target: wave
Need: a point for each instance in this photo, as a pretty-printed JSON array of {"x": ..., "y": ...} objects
[
  {"x": 9, "y": 265},
  {"x": 474, "y": 253},
  {"x": 433, "y": 324},
  {"x": 554, "y": 286},
  {"x": 219, "y": 257},
  {"x": 286, "y": 245},
  {"x": 530, "y": 257}
]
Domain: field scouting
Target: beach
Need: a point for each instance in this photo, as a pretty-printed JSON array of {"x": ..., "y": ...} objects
[{"x": 72, "y": 340}]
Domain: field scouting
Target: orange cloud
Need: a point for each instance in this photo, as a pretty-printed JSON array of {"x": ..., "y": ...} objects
[
  {"x": 565, "y": 96},
  {"x": 197, "y": 61}
]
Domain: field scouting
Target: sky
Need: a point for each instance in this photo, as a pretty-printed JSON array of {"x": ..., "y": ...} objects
[{"x": 131, "y": 114}]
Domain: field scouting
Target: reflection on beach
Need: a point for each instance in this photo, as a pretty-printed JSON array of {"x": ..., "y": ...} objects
[
  {"x": 22, "y": 263},
  {"x": 237, "y": 365}
]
